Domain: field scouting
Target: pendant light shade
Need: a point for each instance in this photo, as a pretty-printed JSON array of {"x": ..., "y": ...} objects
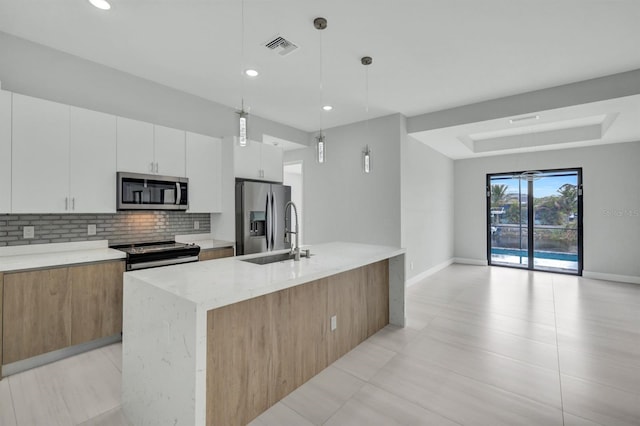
[
  {"x": 242, "y": 131},
  {"x": 321, "y": 149}
]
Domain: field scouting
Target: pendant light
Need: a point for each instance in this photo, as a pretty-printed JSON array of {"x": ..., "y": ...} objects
[
  {"x": 366, "y": 153},
  {"x": 243, "y": 115},
  {"x": 321, "y": 144}
]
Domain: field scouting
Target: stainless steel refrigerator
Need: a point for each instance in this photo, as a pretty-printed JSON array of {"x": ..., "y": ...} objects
[{"x": 260, "y": 221}]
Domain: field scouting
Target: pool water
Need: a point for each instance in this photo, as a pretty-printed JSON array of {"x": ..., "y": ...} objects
[{"x": 573, "y": 257}]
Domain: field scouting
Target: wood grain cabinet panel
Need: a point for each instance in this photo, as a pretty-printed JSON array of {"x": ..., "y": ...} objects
[
  {"x": 216, "y": 253},
  {"x": 260, "y": 350},
  {"x": 36, "y": 313},
  {"x": 96, "y": 301}
]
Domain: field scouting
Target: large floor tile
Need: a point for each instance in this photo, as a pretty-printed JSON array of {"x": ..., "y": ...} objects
[
  {"x": 323, "y": 395},
  {"x": 113, "y": 417},
  {"x": 373, "y": 406},
  {"x": 393, "y": 338},
  {"x": 460, "y": 398},
  {"x": 603, "y": 370},
  {"x": 7, "y": 416},
  {"x": 280, "y": 415},
  {"x": 527, "y": 380},
  {"x": 600, "y": 403},
  {"x": 37, "y": 399},
  {"x": 114, "y": 353},
  {"x": 491, "y": 340},
  {"x": 364, "y": 360}
]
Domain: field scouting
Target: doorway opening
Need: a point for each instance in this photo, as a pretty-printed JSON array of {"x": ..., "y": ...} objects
[
  {"x": 293, "y": 177},
  {"x": 534, "y": 220}
]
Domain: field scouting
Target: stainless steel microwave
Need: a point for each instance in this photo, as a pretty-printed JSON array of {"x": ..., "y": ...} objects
[{"x": 137, "y": 191}]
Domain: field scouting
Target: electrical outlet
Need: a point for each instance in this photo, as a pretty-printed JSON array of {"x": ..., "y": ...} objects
[
  {"x": 196, "y": 224},
  {"x": 28, "y": 232},
  {"x": 91, "y": 230},
  {"x": 334, "y": 322}
]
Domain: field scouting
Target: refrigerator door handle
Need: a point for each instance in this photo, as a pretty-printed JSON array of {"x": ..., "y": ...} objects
[
  {"x": 268, "y": 226},
  {"x": 274, "y": 219}
]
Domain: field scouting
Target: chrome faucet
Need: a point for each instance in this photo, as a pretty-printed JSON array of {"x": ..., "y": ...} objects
[{"x": 287, "y": 233}]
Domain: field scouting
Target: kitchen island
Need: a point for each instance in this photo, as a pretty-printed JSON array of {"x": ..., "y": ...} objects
[{"x": 220, "y": 341}]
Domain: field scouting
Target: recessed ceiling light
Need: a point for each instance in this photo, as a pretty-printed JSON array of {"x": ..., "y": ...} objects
[
  {"x": 101, "y": 4},
  {"x": 327, "y": 107},
  {"x": 251, "y": 73}
]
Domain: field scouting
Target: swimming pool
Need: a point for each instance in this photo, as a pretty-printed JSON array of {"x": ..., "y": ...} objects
[{"x": 573, "y": 257}]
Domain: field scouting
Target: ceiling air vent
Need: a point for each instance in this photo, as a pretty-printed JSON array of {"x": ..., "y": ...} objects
[{"x": 281, "y": 45}]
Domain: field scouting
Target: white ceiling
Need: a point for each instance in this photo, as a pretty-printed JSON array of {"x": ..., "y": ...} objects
[
  {"x": 427, "y": 55},
  {"x": 596, "y": 123}
]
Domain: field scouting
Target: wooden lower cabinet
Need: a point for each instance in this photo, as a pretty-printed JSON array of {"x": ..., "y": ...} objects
[
  {"x": 1, "y": 304},
  {"x": 96, "y": 301},
  {"x": 217, "y": 253},
  {"x": 260, "y": 350},
  {"x": 51, "y": 309},
  {"x": 37, "y": 307}
]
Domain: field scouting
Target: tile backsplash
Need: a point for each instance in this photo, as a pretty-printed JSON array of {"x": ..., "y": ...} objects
[{"x": 119, "y": 228}]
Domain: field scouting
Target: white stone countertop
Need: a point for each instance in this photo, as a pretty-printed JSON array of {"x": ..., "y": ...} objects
[
  {"x": 19, "y": 258},
  {"x": 205, "y": 241},
  {"x": 215, "y": 283}
]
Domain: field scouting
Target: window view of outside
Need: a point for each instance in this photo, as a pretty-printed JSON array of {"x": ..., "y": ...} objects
[{"x": 554, "y": 220}]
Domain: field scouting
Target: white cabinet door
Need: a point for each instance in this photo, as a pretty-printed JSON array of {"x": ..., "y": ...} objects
[
  {"x": 246, "y": 160},
  {"x": 272, "y": 163},
  {"x": 5, "y": 152},
  {"x": 169, "y": 151},
  {"x": 92, "y": 183},
  {"x": 204, "y": 170},
  {"x": 135, "y": 146},
  {"x": 40, "y": 156}
]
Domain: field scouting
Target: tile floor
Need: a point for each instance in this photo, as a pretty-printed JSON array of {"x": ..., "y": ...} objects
[{"x": 483, "y": 346}]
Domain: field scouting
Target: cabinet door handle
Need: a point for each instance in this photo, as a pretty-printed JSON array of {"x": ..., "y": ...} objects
[
  {"x": 73, "y": 203},
  {"x": 66, "y": 203},
  {"x": 157, "y": 168}
]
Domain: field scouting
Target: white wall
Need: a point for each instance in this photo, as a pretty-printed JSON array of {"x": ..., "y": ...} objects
[
  {"x": 611, "y": 179},
  {"x": 427, "y": 207},
  {"x": 342, "y": 203}
]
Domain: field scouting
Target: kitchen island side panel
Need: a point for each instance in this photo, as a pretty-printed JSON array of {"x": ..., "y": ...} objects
[
  {"x": 160, "y": 357},
  {"x": 259, "y": 350}
]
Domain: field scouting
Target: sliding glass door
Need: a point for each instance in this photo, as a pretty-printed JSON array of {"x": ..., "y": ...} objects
[{"x": 534, "y": 220}]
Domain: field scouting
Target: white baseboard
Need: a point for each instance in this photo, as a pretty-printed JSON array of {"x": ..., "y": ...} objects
[
  {"x": 464, "y": 261},
  {"x": 430, "y": 271},
  {"x": 611, "y": 277}
]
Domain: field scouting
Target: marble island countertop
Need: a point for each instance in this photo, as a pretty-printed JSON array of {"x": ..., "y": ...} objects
[
  {"x": 216, "y": 283},
  {"x": 36, "y": 256}
]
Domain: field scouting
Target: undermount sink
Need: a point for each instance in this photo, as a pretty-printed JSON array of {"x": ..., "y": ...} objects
[{"x": 273, "y": 258}]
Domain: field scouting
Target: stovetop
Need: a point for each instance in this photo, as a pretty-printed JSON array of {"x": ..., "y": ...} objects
[{"x": 154, "y": 247}]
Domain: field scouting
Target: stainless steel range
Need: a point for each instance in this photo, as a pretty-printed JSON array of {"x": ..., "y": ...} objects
[{"x": 162, "y": 253}]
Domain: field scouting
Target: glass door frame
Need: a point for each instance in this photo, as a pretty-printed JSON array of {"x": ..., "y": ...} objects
[{"x": 531, "y": 222}]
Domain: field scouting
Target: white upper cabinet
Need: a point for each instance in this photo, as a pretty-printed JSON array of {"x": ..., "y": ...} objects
[
  {"x": 147, "y": 148},
  {"x": 169, "y": 151},
  {"x": 135, "y": 146},
  {"x": 204, "y": 170},
  {"x": 40, "y": 156},
  {"x": 63, "y": 158},
  {"x": 258, "y": 161},
  {"x": 5, "y": 152},
  {"x": 92, "y": 183}
]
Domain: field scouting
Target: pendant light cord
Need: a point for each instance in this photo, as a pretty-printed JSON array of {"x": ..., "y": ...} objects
[
  {"x": 242, "y": 55},
  {"x": 321, "y": 86}
]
